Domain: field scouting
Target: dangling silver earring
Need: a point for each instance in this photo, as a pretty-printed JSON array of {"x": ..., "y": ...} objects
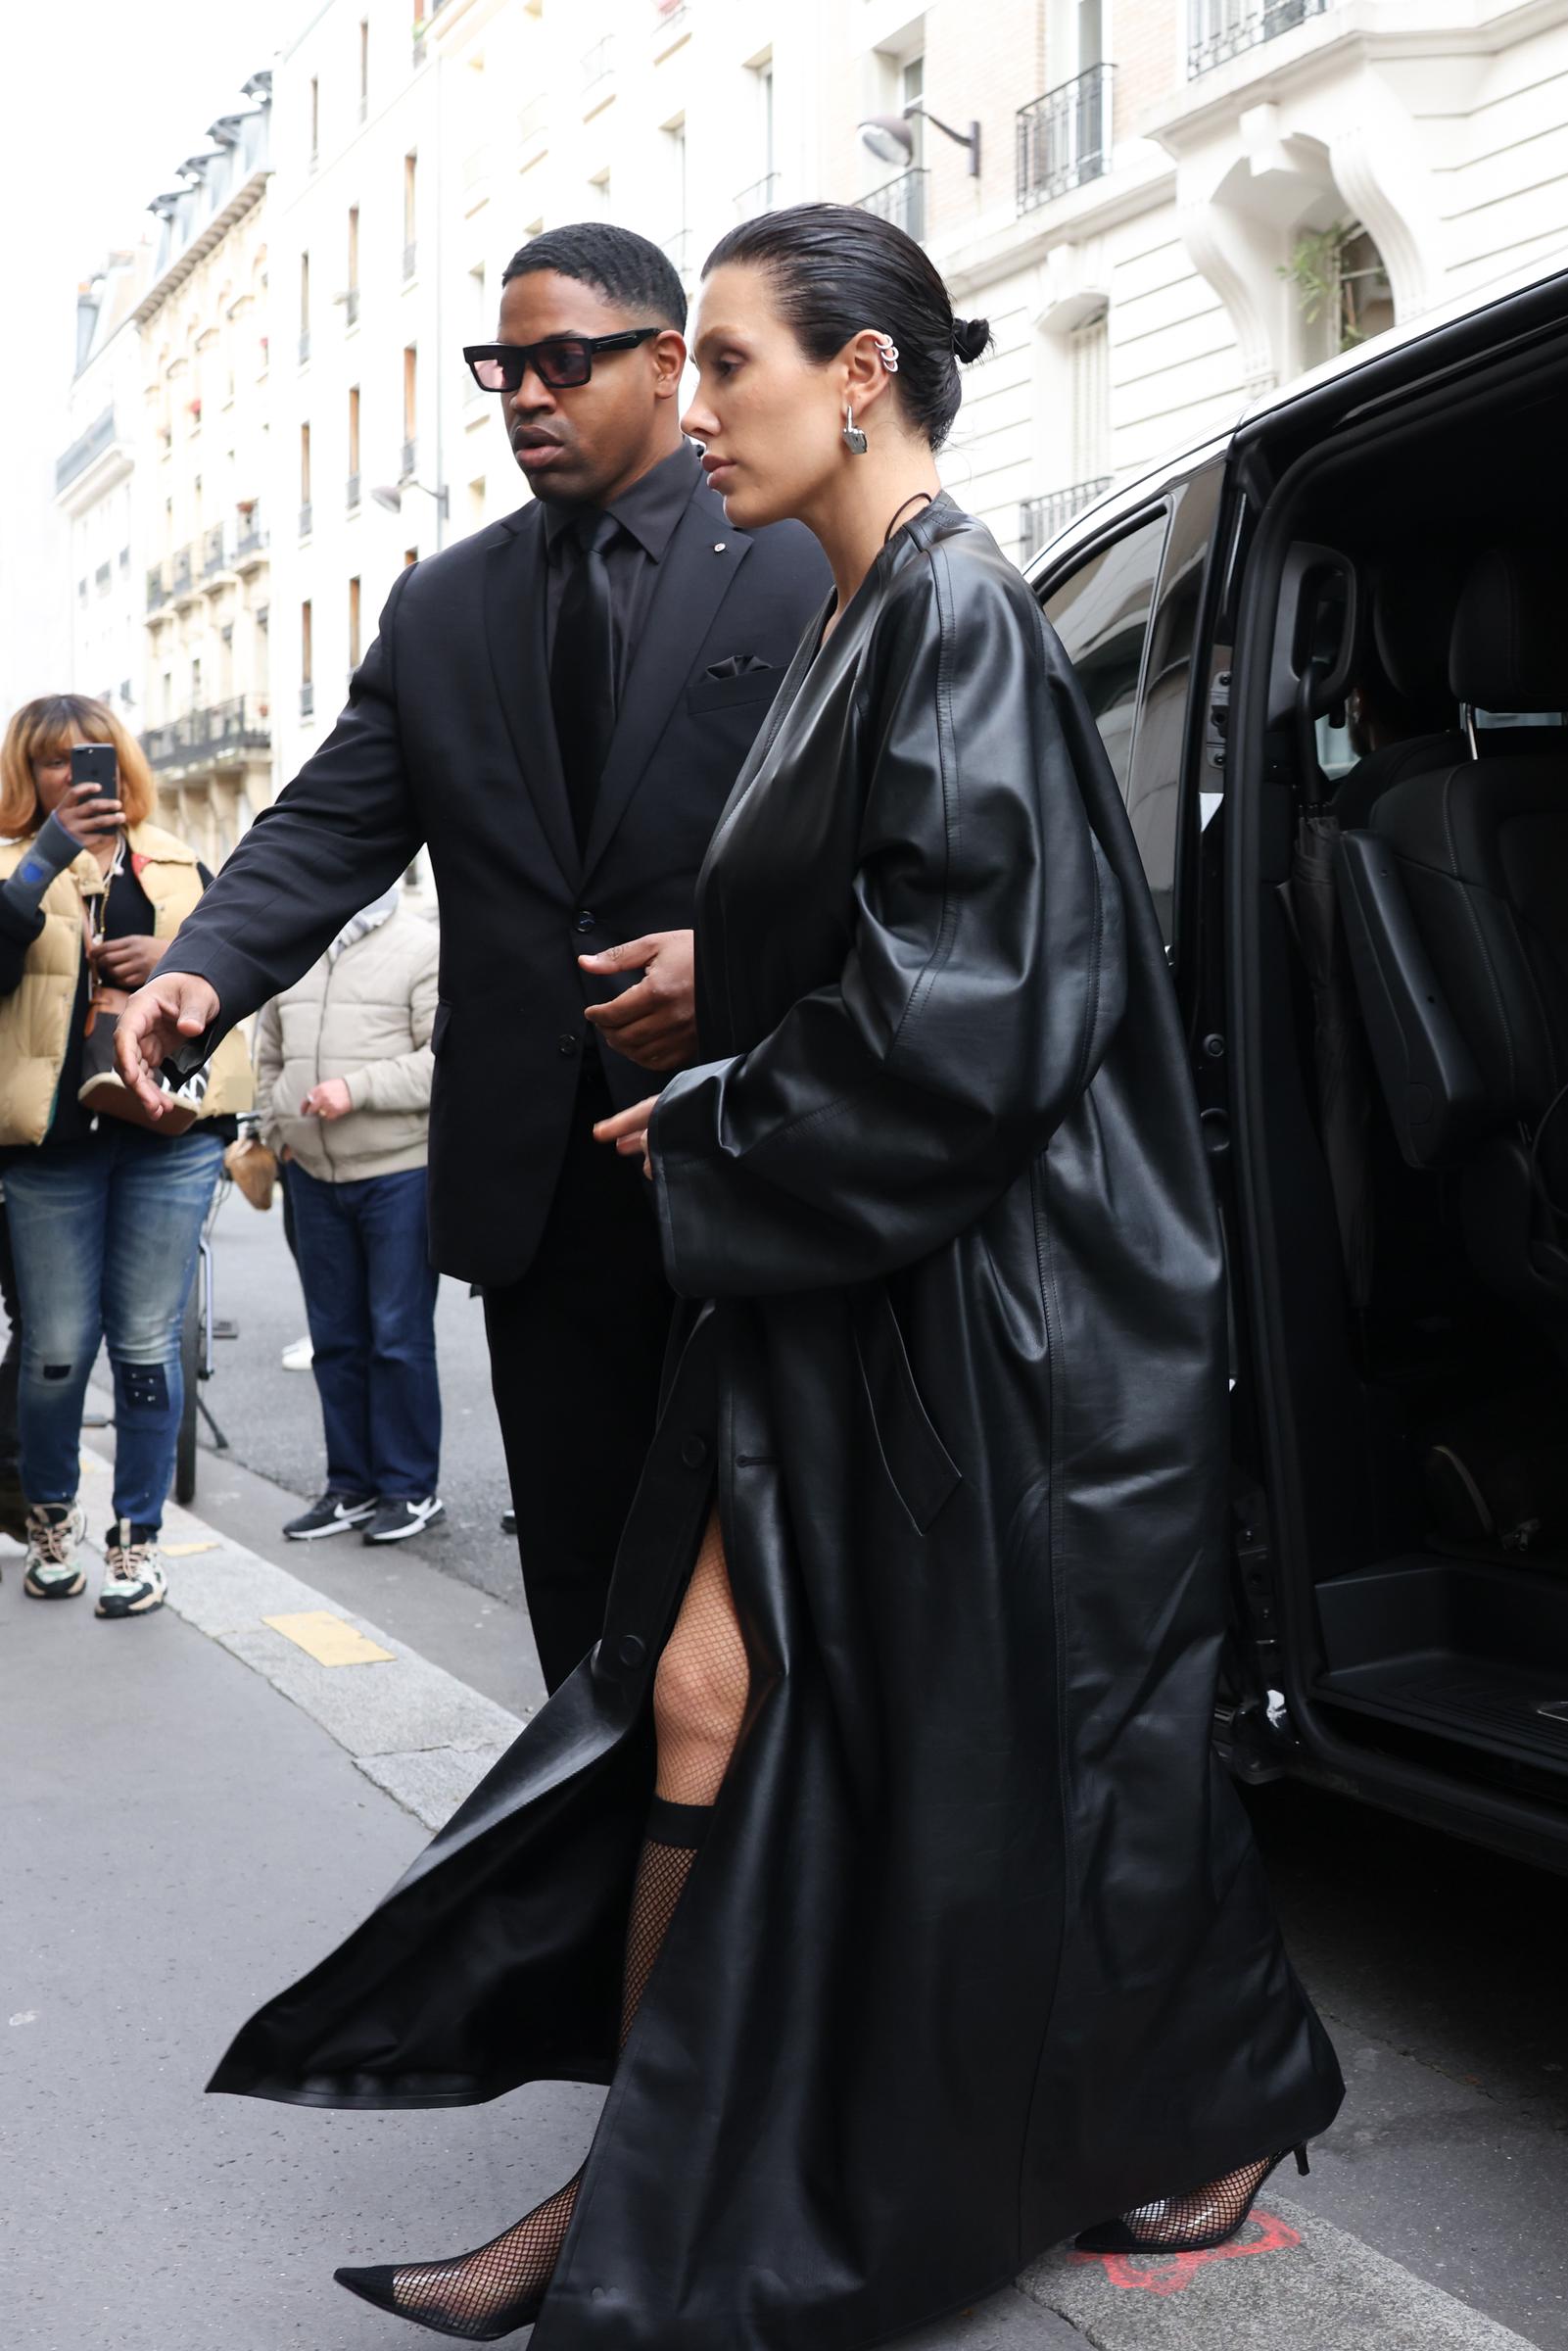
[{"x": 854, "y": 439}]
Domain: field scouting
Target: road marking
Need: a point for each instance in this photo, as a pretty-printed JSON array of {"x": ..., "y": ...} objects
[
  {"x": 184, "y": 1551},
  {"x": 1323, "y": 2290},
  {"x": 330, "y": 1639}
]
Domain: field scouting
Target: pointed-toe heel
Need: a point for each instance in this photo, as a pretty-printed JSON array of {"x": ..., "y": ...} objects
[
  {"x": 1117, "y": 2236},
  {"x": 377, "y": 2284}
]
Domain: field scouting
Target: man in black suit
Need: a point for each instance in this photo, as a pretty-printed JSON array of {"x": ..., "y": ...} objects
[{"x": 558, "y": 707}]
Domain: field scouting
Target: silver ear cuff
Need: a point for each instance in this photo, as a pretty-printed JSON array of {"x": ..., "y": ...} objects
[{"x": 888, "y": 353}]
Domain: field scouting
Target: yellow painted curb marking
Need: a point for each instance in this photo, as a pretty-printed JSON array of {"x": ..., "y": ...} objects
[
  {"x": 328, "y": 1639},
  {"x": 184, "y": 1551}
]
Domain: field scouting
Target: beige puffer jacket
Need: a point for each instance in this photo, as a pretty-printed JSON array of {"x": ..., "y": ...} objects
[{"x": 364, "y": 1015}]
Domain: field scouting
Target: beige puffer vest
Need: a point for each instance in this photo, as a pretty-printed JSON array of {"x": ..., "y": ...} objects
[{"x": 35, "y": 1017}]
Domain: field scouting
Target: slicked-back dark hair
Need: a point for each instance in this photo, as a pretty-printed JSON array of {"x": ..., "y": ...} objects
[
  {"x": 836, "y": 269},
  {"x": 623, "y": 267}
]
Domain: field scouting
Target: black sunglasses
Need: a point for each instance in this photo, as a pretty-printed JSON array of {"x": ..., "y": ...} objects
[{"x": 563, "y": 362}]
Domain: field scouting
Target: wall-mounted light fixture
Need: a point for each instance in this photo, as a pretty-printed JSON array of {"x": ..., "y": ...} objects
[
  {"x": 892, "y": 141},
  {"x": 391, "y": 496}
]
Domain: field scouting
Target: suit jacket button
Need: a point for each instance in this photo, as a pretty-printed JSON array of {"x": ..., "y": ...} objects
[
  {"x": 632, "y": 1651},
  {"x": 584, "y": 922},
  {"x": 567, "y": 1043},
  {"x": 693, "y": 1452}
]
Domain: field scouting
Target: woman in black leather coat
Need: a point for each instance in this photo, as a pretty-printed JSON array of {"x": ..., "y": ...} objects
[{"x": 976, "y": 1951}]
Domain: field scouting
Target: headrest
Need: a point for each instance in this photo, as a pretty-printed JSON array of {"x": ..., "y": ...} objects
[
  {"x": 1510, "y": 633},
  {"x": 1413, "y": 601}
]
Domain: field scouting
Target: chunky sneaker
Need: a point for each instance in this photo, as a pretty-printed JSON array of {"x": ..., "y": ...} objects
[
  {"x": 332, "y": 1515},
  {"x": 396, "y": 1520},
  {"x": 54, "y": 1531},
  {"x": 134, "y": 1582}
]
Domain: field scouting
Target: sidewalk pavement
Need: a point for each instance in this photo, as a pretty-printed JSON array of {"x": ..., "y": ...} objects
[{"x": 182, "y": 1844}]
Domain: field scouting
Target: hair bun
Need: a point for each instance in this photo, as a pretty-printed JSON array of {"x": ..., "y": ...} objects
[{"x": 970, "y": 336}]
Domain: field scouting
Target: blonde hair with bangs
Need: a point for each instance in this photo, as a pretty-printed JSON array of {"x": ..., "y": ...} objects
[{"x": 43, "y": 729}]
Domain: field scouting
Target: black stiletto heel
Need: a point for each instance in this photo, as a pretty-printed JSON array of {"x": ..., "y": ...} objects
[
  {"x": 1124, "y": 2236},
  {"x": 378, "y": 2286}
]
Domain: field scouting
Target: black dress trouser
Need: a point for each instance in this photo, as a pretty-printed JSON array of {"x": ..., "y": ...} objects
[{"x": 576, "y": 1353}]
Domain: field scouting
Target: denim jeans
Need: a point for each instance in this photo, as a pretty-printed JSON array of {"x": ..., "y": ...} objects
[
  {"x": 364, "y": 1254},
  {"x": 105, "y": 1235}
]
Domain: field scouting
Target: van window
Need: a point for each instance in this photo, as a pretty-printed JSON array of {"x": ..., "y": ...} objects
[
  {"x": 1153, "y": 789},
  {"x": 1101, "y": 613}
]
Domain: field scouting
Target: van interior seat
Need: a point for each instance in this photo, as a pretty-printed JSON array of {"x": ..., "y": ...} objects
[
  {"x": 1413, "y": 596},
  {"x": 1456, "y": 907}
]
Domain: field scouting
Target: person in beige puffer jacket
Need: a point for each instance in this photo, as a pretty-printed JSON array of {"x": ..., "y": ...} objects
[{"x": 344, "y": 1070}]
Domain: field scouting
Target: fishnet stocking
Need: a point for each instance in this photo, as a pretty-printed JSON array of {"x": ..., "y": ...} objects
[
  {"x": 700, "y": 1691},
  {"x": 699, "y": 1698},
  {"x": 1204, "y": 2216}
]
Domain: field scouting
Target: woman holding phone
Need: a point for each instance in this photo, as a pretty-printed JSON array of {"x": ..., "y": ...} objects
[{"x": 105, "y": 1214}]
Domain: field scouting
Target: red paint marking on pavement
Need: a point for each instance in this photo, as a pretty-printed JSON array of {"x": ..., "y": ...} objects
[{"x": 1173, "y": 2272}]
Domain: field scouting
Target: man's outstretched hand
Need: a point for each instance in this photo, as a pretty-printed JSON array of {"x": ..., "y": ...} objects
[
  {"x": 163, "y": 1014},
  {"x": 654, "y": 1023}
]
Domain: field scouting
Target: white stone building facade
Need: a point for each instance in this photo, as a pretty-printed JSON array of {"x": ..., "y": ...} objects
[{"x": 97, "y": 493}]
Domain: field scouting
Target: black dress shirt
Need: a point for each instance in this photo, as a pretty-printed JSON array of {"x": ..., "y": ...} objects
[{"x": 648, "y": 515}]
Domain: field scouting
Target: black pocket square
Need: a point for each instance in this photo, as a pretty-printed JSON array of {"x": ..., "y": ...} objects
[{"x": 738, "y": 665}]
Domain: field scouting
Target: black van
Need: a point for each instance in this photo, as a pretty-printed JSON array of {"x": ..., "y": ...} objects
[{"x": 1328, "y": 656}]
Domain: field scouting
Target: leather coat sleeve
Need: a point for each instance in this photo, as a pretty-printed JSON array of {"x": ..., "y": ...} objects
[
  {"x": 889, "y": 1109},
  {"x": 341, "y": 833}
]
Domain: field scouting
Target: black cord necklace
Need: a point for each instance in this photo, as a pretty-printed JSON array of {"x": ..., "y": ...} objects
[{"x": 928, "y": 496}]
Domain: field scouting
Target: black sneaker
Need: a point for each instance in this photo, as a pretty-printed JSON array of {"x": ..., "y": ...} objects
[
  {"x": 396, "y": 1520},
  {"x": 333, "y": 1515}
]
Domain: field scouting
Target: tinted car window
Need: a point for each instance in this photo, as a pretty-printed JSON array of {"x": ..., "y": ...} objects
[
  {"x": 1154, "y": 789},
  {"x": 1101, "y": 613}
]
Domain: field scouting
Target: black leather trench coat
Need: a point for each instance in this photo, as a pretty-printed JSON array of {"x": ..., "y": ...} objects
[{"x": 978, "y": 1949}]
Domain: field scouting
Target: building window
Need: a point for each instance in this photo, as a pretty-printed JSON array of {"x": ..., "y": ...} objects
[
  {"x": 304, "y": 479},
  {"x": 315, "y": 119},
  {"x": 353, "y": 623},
  {"x": 354, "y": 263},
  {"x": 365, "y": 67},
  {"x": 306, "y": 654},
  {"x": 410, "y": 214},
  {"x": 410, "y": 410},
  {"x": 305, "y": 308},
  {"x": 354, "y": 447}
]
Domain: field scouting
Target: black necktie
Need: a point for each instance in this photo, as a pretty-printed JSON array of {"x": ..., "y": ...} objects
[{"x": 581, "y": 669}]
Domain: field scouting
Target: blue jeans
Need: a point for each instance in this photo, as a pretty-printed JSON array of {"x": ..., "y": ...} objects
[
  {"x": 364, "y": 1254},
  {"x": 105, "y": 1236}
]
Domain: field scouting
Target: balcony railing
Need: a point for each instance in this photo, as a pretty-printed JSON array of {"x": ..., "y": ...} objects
[
  {"x": 1063, "y": 138},
  {"x": 1040, "y": 518},
  {"x": 350, "y": 306},
  {"x": 760, "y": 197},
  {"x": 1218, "y": 30},
  {"x": 251, "y": 535},
  {"x": 222, "y": 731},
  {"x": 179, "y": 573},
  {"x": 156, "y": 587},
  {"x": 214, "y": 556},
  {"x": 305, "y": 520},
  {"x": 901, "y": 201},
  {"x": 352, "y": 498},
  {"x": 305, "y": 345},
  {"x": 410, "y": 453},
  {"x": 410, "y": 259},
  {"x": 307, "y": 698},
  {"x": 598, "y": 63}
]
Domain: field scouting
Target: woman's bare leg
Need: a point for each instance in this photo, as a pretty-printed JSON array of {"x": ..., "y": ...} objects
[{"x": 699, "y": 1690}]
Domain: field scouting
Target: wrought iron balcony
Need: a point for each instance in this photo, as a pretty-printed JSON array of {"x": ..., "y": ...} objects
[
  {"x": 213, "y": 552},
  {"x": 307, "y": 698},
  {"x": 760, "y": 197},
  {"x": 901, "y": 201},
  {"x": 1063, "y": 138},
  {"x": 352, "y": 500},
  {"x": 1221, "y": 30},
  {"x": 1040, "y": 518},
  {"x": 222, "y": 732},
  {"x": 179, "y": 573},
  {"x": 598, "y": 63},
  {"x": 305, "y": 520},
  {"x": 251, "y": 535},
  {"x": 156, "y": 587}
]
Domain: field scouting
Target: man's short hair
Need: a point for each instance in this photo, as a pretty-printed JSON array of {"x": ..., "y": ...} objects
[{"x": 626, "y": 268}]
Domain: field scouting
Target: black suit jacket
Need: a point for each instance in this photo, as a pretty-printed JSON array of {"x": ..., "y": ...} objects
[{"x": 448, "y": 740}]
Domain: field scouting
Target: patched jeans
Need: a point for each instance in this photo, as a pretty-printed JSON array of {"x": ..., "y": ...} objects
[{"x": 105, "y": 1236}]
